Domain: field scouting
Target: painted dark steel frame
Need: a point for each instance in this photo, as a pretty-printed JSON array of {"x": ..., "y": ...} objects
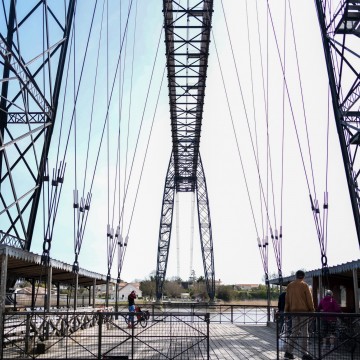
[
  {"x": 9, "y": 52},
  {"x": 205, "y": 230},
  {"x": 187, "y": 40},
  {"x": 340, "y": 31}
]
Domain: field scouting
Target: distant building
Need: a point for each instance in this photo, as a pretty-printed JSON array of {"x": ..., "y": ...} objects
[
  {"x": 127, "y": 289},
  {"x": 124, "y": 290},
  {"x": 245, "y": 286},
  {"x": 185, "y": 296}
]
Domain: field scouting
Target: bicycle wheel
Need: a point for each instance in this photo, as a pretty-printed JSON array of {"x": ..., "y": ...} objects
[
  {"x": 128, "y": 322},
  {"x": 143, "y": 321}
]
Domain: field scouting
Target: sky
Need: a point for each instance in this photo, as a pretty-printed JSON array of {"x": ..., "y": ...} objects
[{"x": 236, "y": 100}]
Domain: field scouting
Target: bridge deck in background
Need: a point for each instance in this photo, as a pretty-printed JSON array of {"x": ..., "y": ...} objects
[{"x": 230, "y": 341}]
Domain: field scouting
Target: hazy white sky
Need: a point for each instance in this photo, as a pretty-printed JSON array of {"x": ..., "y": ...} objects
[{"x": 235, "y": 229}]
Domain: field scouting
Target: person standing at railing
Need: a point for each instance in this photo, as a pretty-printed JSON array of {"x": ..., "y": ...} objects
[
  {"x": 281, "y": 308},
  {"x": 131, "y": 300},
  {"x": 328, "y": 323},
  {"x": 298, "y": 299},
  {"x": 284, "y": 321}
]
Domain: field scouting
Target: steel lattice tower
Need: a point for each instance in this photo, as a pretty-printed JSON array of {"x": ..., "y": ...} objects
[
  {"x": 34, "y": 37},
  {"x": 187, "y": 39},
  {"x": 340, "y": 29}
]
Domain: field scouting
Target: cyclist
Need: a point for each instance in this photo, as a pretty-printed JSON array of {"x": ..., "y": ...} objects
[{"x": 131, "y": 300}]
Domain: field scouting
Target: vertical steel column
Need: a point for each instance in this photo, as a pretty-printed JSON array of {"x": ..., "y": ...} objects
[
  {"x": 167, "y": 211},
  {"x": 4, "y": 266},
  {"x": 339, "y": 25},
  {"x": 93, "y": 293},
  {"x": 205, "y": 230},
  {"x": 356, "y": 290},
  {"x": 76, "y": 290},
  {"x": 58, "y": 295},
  {"x": 48, "y": 287},
  {"x": 5, "y": 85}
]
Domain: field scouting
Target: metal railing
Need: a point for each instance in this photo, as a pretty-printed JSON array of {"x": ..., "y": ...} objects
[
  {"x": 235, "y": 314},
  {"x": 18, "y": 301},
  {"x": 104, "y": 335},
  {"x": 318, "y": 335}
]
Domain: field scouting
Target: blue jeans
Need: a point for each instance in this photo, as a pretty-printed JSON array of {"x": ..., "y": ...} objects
[{"x": 131, "y": 317}]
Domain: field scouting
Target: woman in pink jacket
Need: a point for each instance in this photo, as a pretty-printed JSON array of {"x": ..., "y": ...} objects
[{"x": 328, "y": 304}]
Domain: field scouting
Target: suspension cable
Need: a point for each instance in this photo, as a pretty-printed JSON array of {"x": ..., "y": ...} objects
[
  {"x": 236, "y": 139},
  {"x": 320, "y": 226},
  {"x": 248, "y": 126}
]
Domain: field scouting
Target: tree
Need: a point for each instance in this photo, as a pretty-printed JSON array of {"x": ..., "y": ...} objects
[
  {"x": 148, "y": 288},
  {"x": 199, "y": 288},
  {"x": 173, "y": 289},
  {"x": 225, "y": 292}
]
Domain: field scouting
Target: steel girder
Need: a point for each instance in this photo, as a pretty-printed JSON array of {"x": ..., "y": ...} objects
[
  {"x": 187, "y": 39},
  {"x": 204, "y": 222},
  {"x": 167, "y": 212},
  {"x": 34, "y": 36},
  {"x": 205, "y": 230},
  {"x": 340, "y": 29}
]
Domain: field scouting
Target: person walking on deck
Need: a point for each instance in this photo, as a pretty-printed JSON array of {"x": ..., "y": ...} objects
[
  {"x": 131, "y": 300},
  {"x": 298, "y": 299},
  {"x": 328, "y": 323}
]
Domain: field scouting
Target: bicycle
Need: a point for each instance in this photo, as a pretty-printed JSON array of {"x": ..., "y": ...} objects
[{"x": 140, "y": 317}]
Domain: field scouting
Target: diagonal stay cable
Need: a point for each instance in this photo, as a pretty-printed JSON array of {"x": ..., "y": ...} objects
[
  {"x": 146, "y": 150},
  {"x": 236, "y": 138},
  {"x": 289, "y": 99},
  {"x": 253, "y": 106},
  {"x": 318, "y": 223},
  {"x": 110, "y": 99},
  {"x": 141, "y": 123},
  {"x": 247, "y": 121},
  {"x": 93, "y": 98}
]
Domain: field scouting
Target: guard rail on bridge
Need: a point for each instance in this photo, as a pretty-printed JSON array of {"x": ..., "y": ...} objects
[
  {"x": 319, "y": 335},
  {"x": 104, "y": 335}
]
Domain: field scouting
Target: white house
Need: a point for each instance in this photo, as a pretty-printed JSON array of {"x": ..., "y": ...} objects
[{"x": 125, "y": 291}]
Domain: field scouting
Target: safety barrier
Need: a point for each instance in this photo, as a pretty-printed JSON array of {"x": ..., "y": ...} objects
[
  {"x": 318, "y": 335},
  {"x": 226, "y": 313},
  {"x": 104, "y": 335}
]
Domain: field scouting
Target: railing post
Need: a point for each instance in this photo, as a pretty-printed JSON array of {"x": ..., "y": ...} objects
[
  {"x": 132, "y": 342},
  {"x": 232, "y": 314},
  {"x": 277, "y": 336},
  {"x": 27, "y": 333},
  {"x": 100, "y": 334},
  {"x": 318, "y": 330},
  {"x": 207, "y": 317},
  {"x": 33, "y": 292}
]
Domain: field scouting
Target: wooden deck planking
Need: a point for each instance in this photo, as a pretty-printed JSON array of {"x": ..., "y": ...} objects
[{"x": 229, "y": 341}]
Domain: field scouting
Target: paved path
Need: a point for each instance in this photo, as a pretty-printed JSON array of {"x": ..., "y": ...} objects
[{"x": 229, "y": 341}]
